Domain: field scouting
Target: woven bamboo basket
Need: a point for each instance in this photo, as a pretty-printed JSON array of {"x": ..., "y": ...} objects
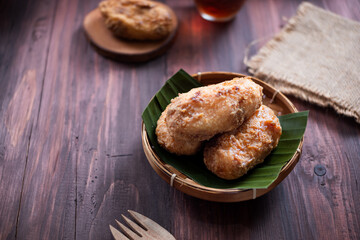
[{"x": 273, "y": 99}]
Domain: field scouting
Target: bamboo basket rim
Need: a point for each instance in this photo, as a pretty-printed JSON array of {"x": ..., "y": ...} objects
[{"x": 190, "y": 187}]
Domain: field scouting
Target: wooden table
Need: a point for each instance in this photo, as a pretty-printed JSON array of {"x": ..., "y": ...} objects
[{"x": 71, "y": 159}]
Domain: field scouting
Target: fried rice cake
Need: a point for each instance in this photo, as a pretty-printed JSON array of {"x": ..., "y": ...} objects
[
  {"x": 179, "y": 147},
  {"x": 231, "y": 155},
  {"x": 206, "y": 111},
  {"x": 137, "y": 19}
]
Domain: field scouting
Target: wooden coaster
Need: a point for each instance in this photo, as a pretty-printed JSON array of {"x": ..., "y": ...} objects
[{"x": 119, "y": 49}]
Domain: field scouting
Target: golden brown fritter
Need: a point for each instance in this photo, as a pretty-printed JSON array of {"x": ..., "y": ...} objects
[
  {"x": 179, "y": 147},
  {"x": 206, "y": 111},
  {"x": 137, "y": 19},
  {"x": 231, "y": 155}
]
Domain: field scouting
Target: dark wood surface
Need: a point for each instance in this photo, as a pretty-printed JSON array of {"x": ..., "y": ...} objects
[{"x": 71, "y": 159}]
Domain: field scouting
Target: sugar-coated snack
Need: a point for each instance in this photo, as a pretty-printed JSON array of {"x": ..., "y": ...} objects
[
  {"x": 206, "y": 111},
  {"x": 177, "y": 146},
  {"x": 137, "y": 19},
  {"x": 230, "y": 155}
]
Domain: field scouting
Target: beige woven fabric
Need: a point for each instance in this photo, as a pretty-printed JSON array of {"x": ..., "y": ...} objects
[{"x": 315, "y": 57}]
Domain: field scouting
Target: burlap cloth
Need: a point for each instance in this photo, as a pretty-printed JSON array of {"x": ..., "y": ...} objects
[{"x": 315, "y": 57}]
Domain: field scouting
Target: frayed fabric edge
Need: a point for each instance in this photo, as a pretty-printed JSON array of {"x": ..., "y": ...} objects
[
  {"x": 302, "y": 92},
  {"x": 311, "y": 96}
]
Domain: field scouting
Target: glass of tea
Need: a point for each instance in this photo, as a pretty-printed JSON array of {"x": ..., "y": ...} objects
[{"x": 218, "y": 10}]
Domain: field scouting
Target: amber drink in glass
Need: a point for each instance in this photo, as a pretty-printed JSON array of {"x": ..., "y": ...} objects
[{"x": 218, "y": 10}]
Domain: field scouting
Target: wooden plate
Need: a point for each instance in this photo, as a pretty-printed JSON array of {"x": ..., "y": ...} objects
[
  {"x": 274, "y": 99},
  {"x": 118, "y": 49}
]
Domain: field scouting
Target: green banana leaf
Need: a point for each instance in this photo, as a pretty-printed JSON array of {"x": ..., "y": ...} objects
[{"x": 293, "y": 128}]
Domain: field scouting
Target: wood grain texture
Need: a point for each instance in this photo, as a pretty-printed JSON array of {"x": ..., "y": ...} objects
[
  {"x": 25, "y": 31},
  {"x": 71, "y": 159}
]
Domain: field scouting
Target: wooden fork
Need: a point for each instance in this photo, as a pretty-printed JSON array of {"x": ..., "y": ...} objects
[{"x": 144, "y": 228}]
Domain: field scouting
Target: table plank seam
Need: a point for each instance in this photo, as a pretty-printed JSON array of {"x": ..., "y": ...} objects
[{"x": 23, "y": 182}]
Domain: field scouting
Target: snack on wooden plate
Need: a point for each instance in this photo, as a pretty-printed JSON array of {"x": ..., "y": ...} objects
[
  {"x": 206, "y": 111},
  {"x": 230, "y": 155},
  {"x": 177, "y": 146},
  {"x": 137, "y": 19}
]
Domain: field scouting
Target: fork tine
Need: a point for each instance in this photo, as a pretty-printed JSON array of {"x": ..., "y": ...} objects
[
  {"x": 128, "y": 232},
  {"x": 140, "y": 219},
  {"x": 151, "y": 226},
  {"x": 135, "y": 227},
  {"x": 117, "y": 234},
  {"x": 143, "y": 221}
]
